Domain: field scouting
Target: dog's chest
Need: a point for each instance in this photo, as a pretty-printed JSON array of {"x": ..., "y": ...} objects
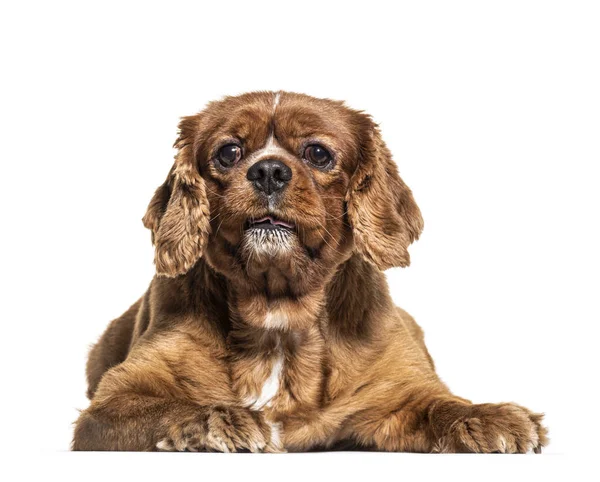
[
  {"x": 283, "y": 379},
  {"x": 265, "y": 390}
]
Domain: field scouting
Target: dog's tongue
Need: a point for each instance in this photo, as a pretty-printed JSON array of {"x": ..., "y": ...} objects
[{"x": 274, "y": 221}]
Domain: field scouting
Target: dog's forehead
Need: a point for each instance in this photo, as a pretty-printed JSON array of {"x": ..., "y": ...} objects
[
  {"x": 306, "y": 117},
  {"x": 289, "y": 117}
]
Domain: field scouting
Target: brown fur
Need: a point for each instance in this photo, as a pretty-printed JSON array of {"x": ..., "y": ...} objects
[{"x": 182, "y": 367}]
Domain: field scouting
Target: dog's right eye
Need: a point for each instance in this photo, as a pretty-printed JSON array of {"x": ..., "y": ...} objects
[{"x": 228, "y": 155}]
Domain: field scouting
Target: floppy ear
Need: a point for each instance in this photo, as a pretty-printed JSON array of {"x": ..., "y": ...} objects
[
  {"x": 178, "y": 214},
  {"x": 384, "y": 216}
]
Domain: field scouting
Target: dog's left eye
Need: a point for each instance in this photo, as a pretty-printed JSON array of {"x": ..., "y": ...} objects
[
  {"x": 317, "y": 155},
  {"x": 228, "y": 155}
]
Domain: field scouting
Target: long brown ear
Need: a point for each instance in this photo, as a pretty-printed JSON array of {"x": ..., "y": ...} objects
[
  {"x": 178, "y": 214},
  {"x": 381, "y": 208}
]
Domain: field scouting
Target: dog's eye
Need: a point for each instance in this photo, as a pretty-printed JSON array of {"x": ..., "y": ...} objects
[
  {"x": 317, "y": 155},
  {"x": 228, "y": 155}
]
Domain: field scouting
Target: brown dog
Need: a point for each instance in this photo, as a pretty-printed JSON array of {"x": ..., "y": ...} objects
[{"x": 269, "y": 326}]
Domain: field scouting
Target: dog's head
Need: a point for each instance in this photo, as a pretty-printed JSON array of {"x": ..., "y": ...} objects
[{"x": 281, "y": 183}]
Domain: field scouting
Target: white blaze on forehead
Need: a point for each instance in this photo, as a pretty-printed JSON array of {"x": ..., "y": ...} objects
[
  {"x": 270, "y": 148},
  {"x": 276, "y": 101}
]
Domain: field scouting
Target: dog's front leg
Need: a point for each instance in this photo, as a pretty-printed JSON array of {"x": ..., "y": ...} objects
[
  {"x": 171, "y": 393},
  {"x": 135, "y": 422},
  {"x": 445, "y": 423}
]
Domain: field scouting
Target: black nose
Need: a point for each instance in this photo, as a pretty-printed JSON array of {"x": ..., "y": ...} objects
[{"x": 269, "y": 176}]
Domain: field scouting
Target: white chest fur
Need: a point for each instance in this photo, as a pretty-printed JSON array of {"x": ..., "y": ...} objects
[
  {"x": 275, "y": 320},
  {"x": 270, "y": 386}
]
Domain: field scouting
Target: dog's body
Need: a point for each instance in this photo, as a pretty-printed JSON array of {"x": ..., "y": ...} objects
[{"x": 269, "y": 326}]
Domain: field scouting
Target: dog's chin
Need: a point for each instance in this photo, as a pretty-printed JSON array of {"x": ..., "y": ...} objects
[
  {"x": 262, "y": 243},
  {"x": 268, "y": 238}
]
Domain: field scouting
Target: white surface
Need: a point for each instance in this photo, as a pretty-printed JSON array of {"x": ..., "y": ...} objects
[{"x": 490, "y": 108}]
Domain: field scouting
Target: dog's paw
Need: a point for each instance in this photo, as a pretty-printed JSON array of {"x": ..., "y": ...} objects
[
  {"x": 494, "y": 428},
  {"x": 221, "y": 429}
]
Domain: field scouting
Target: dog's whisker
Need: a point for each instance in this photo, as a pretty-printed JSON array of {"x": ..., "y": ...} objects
[
  {"x": 215, "y": 217},
  {"x": 333, "y": 218},
  {"x": 323, "y": 237},
  {"x": 213, "y": 192},
  {"x": 219, "y": 227}
]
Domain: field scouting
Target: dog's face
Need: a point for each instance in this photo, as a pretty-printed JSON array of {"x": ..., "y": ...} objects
[{"x": 277, "y": 189}]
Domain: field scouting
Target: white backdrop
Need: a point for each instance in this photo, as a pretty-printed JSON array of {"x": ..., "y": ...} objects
[{"x": 490, "y": 108}]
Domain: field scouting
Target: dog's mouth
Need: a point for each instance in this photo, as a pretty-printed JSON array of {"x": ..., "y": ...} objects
[
  {"x": 270, "y": 223},
  {"x": 269, "y": 236}
]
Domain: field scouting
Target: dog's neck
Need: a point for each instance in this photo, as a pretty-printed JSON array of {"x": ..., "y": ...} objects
[{"x": 346, "y": 306}]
